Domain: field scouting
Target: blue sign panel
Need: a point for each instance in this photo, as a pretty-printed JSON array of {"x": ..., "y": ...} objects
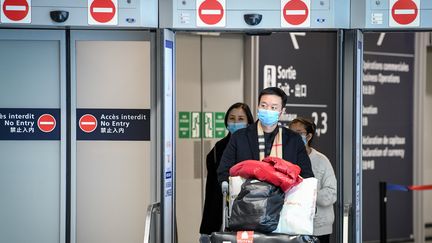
[
  {"x": 29, "y": 124},
  {"x": 113, "y": 124}
]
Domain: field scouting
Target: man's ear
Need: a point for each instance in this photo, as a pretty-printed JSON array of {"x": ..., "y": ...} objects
[{"x": 280, "y": 114}]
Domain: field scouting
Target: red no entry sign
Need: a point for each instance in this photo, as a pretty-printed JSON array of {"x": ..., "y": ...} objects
[
  {"x": 102, "y": 12},
  {"x": 404, "y": 13},
  {"x": 295, "y": 13},
  {"x": 15, "y": 11},
  {"x": 46, "y": 123},
  {"x": 211, "y": 13},
  {"x": 88, "y": 123}
]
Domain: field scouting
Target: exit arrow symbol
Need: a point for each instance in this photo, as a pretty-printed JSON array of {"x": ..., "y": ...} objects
[{"x": 294, "y": 39}]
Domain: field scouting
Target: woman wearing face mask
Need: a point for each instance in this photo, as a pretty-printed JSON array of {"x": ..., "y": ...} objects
[
  {"x": 323, "y": 171},
  {"x": 238, "y": 116}
]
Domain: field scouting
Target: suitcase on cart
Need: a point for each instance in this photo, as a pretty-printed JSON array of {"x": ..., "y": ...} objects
[{"x": 251, "y": 236}]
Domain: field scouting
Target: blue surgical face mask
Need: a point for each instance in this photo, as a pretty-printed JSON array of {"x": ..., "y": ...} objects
[
  {"x": 304, "y": 139},
  {"x": 234, "y": 126},
  {"x": 268, "y": 117}
]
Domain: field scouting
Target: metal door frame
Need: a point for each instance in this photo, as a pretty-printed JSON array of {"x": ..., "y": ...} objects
[
  {"x": 351, "y": 136},
  {"x": 166, "y": 90}
]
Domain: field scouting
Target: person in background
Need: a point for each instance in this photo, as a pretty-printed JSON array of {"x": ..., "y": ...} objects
[
  {"x": 266, "y": 138},
  {"x": 238, "y": 116},
  {"x": 323, "y": 171}
]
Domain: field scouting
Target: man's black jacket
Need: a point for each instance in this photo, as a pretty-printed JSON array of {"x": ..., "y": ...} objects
[{"x": 243, "y": 145}]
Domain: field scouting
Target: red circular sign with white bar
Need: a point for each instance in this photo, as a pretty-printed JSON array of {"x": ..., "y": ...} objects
[
  {"x": 211, "y": 13},
  {"x": 404, "y": 13},
  {"x": 46, "y": 123},
  {"x": 15, "y": 11},
  {"x": 88, "y": 123},
  {"x": 295, "y": 13},
  {"x": 102, "y": 12}
]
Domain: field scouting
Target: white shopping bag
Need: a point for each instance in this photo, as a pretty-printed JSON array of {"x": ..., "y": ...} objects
[{"x": 298, "y": 211}]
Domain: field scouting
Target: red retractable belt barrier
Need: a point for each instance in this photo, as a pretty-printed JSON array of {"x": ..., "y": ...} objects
[{"x": 420, "y": 187}]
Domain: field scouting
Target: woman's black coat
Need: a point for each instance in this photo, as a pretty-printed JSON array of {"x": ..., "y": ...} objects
[{"x": 212, "y": 215}]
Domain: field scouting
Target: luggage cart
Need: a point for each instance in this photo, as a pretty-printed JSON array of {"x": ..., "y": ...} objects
[{"x": 225, "y": 236}]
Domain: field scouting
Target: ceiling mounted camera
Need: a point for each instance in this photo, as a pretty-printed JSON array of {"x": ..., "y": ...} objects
[
  {"x": 252, "y": 19},
  {"x": 59, "y": 16}
]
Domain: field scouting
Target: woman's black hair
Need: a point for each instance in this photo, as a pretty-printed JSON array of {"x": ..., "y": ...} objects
[
  {"x": 274, "y": 91},
  {"x": 245, "y": 108},
  {"x": 309, "y": 126}
]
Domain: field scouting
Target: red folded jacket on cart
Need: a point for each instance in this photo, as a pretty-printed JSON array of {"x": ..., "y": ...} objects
[{"x": 273, "y": 170}]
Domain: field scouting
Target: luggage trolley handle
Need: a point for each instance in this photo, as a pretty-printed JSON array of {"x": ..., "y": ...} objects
[
  {"x": 151, "y": 210},
  {"x": 225, "y": 211}
]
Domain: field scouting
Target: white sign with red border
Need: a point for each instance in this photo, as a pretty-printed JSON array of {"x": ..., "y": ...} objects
[
  {"x": 210, "y": 13},
  {"x": 295, "y": 13},
  {"x": 102, "y": 12},
  {"x": 404, "y": 13},
  {"x": 16, "y": 11}
]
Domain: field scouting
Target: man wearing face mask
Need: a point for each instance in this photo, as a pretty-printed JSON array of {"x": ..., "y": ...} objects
[{"x": 266, "y": 138}]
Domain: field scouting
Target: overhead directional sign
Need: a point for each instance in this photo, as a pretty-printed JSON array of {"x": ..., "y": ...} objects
[
  {"x": 404, "y": 13},
  {"x": 211, "y": 13},
  {"x": 295, "y": 13},
  {"x": 102, "y": 12},
  {"x": 16, "y": 11},
  {"x": 46, "y": 123},
  {"x": 288, "y": 66}
]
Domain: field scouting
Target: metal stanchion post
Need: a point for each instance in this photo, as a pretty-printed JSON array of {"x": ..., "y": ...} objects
[{"x": 383, "y": 211}]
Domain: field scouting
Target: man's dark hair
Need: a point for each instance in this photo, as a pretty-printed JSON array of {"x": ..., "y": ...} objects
[
  {"x": 244, "y": 107},
  {"x": 274, "y": 91}
]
